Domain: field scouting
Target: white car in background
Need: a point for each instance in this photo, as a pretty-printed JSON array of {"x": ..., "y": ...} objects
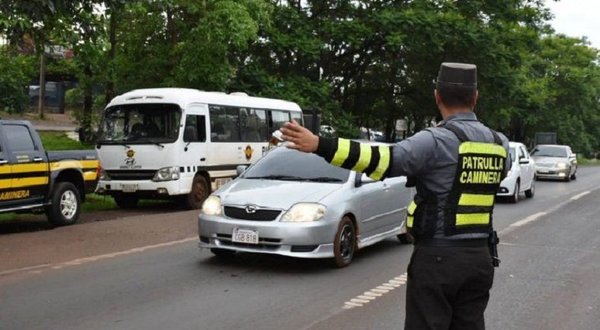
[{"x": 521, "y": 177}]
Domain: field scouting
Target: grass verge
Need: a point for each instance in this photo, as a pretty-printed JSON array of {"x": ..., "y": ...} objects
[{"x": 60, "y": 141}]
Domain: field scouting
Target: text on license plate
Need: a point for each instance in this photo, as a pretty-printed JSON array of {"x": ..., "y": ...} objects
[
  {"x": 129, "y": 187},
  {"x": 244, "y": 236}
]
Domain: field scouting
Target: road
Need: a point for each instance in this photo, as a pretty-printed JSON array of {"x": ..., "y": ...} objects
[{"x": 549, "y": 279}]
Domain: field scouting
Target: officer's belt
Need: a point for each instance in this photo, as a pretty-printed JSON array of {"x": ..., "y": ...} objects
[{"x": 437, "y": 242}]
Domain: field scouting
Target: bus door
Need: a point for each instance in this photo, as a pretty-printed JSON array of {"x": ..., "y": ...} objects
[{"x": 195, "y": 153}]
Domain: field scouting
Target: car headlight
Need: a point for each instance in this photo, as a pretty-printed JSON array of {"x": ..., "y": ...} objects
[
  {"x": 561, "y": 165},
  {"x": 212, "y": 205},
  {"x": 166, "y": 174},
  {"x": 304, "y": 212}
]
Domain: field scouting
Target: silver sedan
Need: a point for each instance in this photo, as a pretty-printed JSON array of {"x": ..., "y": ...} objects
[
  {"x": 555, "y": 162},
  {"x": 296, "y": 204}
]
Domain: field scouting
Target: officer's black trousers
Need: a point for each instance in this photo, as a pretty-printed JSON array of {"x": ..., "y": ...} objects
[{"x": 448, "y": 287}]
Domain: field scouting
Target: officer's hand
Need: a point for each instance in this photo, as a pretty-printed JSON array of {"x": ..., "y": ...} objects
[{"x": 299, "y": 137}]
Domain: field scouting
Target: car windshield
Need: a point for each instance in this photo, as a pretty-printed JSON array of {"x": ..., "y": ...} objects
[
  {"x": 549, "y": 151},
  {"x": 292, "y": 165},
  {"x": 140, "y": 123}
]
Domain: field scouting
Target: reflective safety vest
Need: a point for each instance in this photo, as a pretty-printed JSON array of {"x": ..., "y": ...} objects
[{"x": 469, "y": 205}]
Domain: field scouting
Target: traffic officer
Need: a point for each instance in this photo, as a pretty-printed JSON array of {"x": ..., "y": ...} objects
[{"x": 456, "y": 168}]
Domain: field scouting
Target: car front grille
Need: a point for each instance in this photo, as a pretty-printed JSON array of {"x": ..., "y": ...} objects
[
  {"x": 256, "y": 215},
  {"x": 127, "y": 175}
]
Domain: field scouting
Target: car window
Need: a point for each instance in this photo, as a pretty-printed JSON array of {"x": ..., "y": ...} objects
[
  {"x": 513, "y": 154},
  {"x": 18, "y": 138},
  {"x": 549, "y": 151},
  {"x": 287, "y": 164},
  {"x": 524, "y": 153}
]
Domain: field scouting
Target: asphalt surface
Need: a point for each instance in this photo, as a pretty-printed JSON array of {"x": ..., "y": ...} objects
[{"x": 549, "y": 279}]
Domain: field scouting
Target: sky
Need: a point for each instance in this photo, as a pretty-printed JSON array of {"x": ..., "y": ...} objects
[{"x": 577, "y": 18}]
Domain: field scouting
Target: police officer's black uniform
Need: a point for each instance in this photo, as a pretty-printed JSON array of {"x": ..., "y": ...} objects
[{"x": 457, "y": 168}]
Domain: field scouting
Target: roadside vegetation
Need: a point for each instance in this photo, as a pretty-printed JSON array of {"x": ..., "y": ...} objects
[
  {"x": 60, "y": 141},
  {"x": 360, "y": 63}
]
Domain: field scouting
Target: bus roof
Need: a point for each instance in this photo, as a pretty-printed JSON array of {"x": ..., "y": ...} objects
[{"x": 186, "y": 96}]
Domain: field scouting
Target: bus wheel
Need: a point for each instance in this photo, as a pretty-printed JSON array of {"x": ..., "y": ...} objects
[{"x": 200, "y": 191}]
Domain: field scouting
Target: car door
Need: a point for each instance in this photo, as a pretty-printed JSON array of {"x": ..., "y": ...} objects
[
  {"x": 5, "y": 176},
  {"x": 527, "y": 168},
  {"x": 377, "y": 202},
  {"x": 29, "y": 165}
]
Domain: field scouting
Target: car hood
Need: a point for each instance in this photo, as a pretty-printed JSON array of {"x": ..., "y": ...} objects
[
  {"x": 548, "y": 161},
  {"x": 274, "y": 193}
]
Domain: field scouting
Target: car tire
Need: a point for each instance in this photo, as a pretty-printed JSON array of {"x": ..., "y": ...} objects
[
  {"x": 222, "y": 253},
  {"x": 574, "y": 175},
  {"x": 531, "y": 191},
  {"x": 199, "y": 193},
  {"x": 404, "y": 239},
  {"x": 515, "y": 196},
  {"x": 344, "y": 244},
  {"x": 126, "y": 201},
  {"x": 66, "y": 205},
  {"x": 568, "y": 177}
]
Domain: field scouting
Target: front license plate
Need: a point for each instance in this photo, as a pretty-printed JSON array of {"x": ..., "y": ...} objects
[
  {"x": 129, "y": 188},
  {"x": 244, "y": 236}
]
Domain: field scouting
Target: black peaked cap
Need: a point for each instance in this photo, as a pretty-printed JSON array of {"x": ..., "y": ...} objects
[{"x": 457, "y": 74}]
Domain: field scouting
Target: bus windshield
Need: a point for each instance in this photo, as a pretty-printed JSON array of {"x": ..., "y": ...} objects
[{"x": 140, "y": 123}]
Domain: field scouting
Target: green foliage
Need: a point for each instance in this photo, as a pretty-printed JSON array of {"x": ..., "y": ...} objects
[
  {"x": 60, "y": 141},
  {"x": 15, "y": 74}
]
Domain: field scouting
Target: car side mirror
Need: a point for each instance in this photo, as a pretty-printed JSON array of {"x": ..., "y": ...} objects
[
  {"x": 362, "y": 178},
  {"x": 240, "y": 169}
]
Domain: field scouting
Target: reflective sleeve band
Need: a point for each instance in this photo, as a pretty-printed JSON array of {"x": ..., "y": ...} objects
[
  {"x": 411, "y": 208},
  {"x": 482, "y": 148},
  {"x": 409, "y": 221},
  {"x": 465, "y": 219},
  {"x": 384, "y": 163},
  {"x": 364, "y": 158},
  {"x": 343, "y": 150},
  {"x": 476, "y": 200}
]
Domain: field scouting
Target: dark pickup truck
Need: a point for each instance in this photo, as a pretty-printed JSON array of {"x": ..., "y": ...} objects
[{"x": 35, "y": 180}]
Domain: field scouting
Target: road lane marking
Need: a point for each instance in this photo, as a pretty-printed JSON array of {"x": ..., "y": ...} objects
[
  {"x": 576, "y": 197},
  {"x": 37, "y": 269},
  {"x": 527, "y": 220},
  {"x": 378, "y": 291}
]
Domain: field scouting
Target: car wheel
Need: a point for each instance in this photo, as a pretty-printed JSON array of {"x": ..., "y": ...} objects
[
  {"x": 200, "y": 191},
  {"x": 344, "y": 244},
  {"x": 515, "y": 196},
  {"x": 568, "y": 176},
  {"x": 531, "y": 191},
  {"x": 574, "y": 175},
  {"x": 125, "y": 201},
  {"x": 66, "y": 205},
  {"x": 222, "y": 253}
]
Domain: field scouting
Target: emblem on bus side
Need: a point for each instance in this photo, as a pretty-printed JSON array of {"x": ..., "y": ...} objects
[{"x": 248, "y": 152}]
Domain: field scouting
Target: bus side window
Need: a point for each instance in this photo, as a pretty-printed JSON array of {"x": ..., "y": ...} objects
[
  {"x": 297, "y": 116},
  {"x": 253, "y": 125},
  {"x": 278, "y": 118},
  {"x": 224, "y": 123},
  {"x": 195, "y": 129}
]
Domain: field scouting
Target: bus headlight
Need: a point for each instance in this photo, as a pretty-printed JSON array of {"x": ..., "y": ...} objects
[{"x": 166, "y": 174}]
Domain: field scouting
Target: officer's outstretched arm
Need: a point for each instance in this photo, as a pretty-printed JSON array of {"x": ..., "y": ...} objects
[{"x": 372, "y": 160}]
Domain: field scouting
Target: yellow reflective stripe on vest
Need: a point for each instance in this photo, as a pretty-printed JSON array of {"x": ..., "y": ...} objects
[
  {"x": 482, "y": 148},
  {"x": 465, "y": 219},
  {"x": 476, "y": 200},
  {"x": 364, "y": 158},
  {"x": 384, "y": 163},
  {"x": 342, "y": 152},
  {"x": 411, "y": 211}
]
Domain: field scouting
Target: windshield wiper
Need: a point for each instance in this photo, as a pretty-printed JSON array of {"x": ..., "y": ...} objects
[
  {"x": 156, "y": 143},
  {"x": 277, "y": 177},
  {"x": 324, "y": 179}
]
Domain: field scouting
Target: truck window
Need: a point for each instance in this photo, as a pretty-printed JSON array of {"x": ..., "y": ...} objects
[
  {"x": 18, "y": 138},
  {"x": 195, "y": 129}
]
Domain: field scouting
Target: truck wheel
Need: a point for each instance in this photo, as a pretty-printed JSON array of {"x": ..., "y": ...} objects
[
  {"x": 126, "y": 201},
  {"x": 66, "y": 205},
  {"x": 200, "y": 191}
]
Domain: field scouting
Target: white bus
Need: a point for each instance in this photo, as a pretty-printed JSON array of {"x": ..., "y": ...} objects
[{"x": 173, "y": 142}]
